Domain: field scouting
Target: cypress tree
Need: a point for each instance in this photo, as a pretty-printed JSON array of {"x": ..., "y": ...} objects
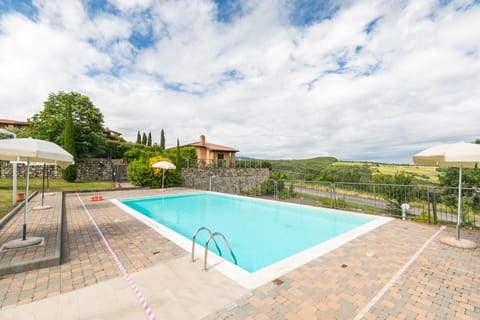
[
  {"x": 70, "y": 172},
  {"x": 177, "y": 164},
  {"x": 144, "y": 139},
  {"x": 162, "y": 140},
  {"x": 139, "y": 138},
  {"x": 149, "y": 140}
]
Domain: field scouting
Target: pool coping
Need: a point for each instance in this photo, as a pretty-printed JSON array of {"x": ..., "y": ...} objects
[{"x": 252, "y": 280}]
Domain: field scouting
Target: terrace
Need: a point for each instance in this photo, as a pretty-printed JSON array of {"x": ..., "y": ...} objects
[{"x": 399, "y": 270}]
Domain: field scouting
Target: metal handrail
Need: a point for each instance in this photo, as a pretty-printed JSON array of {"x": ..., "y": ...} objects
[
  {"x": 206, "y": 248},
  {"x": 193, "y": 241}
]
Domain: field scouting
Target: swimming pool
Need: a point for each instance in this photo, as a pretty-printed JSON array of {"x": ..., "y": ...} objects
[{"x": 261, "y": 233}]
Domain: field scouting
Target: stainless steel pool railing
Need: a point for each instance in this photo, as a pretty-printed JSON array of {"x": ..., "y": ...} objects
[
  {"x": 206, "y": 248},
  {"x": 210, "y": 235}
]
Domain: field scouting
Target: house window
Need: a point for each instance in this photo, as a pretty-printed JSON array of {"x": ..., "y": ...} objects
[{"x": 220, "y": 156}]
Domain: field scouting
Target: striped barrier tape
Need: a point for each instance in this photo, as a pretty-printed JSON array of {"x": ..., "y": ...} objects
[{"x": 119, "y": 264}]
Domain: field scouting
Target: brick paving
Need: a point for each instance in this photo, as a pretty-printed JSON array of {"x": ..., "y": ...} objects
[
  {"x": 40, "y": 223},
  {"x": 85, "y": 261},
  {"x": 443, "y": 283}
]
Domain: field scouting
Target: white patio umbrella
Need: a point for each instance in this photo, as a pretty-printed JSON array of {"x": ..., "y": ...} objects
[
  {"x": 164, "y": 165},
  {"x": 28, "y": 149},
  {"x": 457, "y": 155},
  {"x": 14, "y": 167}
]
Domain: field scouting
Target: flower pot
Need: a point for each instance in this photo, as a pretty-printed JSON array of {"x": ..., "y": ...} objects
[
  {"x": 20, "y": 196},
  {"x": 117, "y": 185}
]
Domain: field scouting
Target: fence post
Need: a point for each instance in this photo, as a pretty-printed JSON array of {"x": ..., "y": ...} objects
[
  {"x": 374, "y": 200},
  {"x": 434, "y": 206},
  {"x": 275, "y": 189},
  {"x": 301, "y": 191},
  {"x": 428, "y": 203},
  {"x": 333, "y": 196}
]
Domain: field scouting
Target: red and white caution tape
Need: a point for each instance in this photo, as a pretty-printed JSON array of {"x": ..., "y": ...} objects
[{"x": 119, "y": 264}]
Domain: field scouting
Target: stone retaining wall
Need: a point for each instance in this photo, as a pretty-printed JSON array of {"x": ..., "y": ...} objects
[
  {"x": 227, "y": 180},
  {"x": 88, "y": 169}
]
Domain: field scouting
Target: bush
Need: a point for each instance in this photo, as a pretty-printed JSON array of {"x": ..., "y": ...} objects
[
  {"x": 140, "y": 173},
  {"x": 70, "y": 173}
]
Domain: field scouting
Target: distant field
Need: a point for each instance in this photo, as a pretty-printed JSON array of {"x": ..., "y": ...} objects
[{"x": 429, "y": 174}]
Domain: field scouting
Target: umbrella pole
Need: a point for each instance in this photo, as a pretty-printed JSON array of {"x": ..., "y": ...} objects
[
  {"x": 459, "y": 203},
  {"x": 14, "y": 175},
  {"x": 24, "y": 237},
  {"x": 43, "y": 183},
  {"x": 163, "y": 177}
]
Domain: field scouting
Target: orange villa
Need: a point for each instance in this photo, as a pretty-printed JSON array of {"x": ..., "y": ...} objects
[
  {"x": 212, "y": 152},
  {"x": 12, "y": 124}
]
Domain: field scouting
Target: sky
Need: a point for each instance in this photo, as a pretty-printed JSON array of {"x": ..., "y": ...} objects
[{"x": 277, "y": 79}]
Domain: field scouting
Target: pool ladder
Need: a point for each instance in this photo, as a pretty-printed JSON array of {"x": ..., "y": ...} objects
[{"x": 211, "y": 237}]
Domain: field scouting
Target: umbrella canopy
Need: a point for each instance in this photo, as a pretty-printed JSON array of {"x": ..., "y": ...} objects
[
  {"x": 465, "y": 155},
  {"x": 33, "y": 150},
  {"x": 455, "y": 155},
  {"x": 28, "y": 149},
  {"x": 165, "y": 165}
]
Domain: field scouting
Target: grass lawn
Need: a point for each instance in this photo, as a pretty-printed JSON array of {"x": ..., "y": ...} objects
[{"x": 6, "y": 187}]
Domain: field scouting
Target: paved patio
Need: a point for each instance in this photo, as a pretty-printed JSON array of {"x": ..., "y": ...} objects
[{"x": 380, "y": 275}]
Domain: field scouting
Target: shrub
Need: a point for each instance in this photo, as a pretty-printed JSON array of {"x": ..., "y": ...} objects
[
  {"x": 70, "y": 173},
  {"x": 141, "y": 173}
]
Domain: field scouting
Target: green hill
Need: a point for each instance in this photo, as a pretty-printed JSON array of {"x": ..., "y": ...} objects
[
  {"x": 330, "y": 169},
  {"x": 301, "y": 166}
]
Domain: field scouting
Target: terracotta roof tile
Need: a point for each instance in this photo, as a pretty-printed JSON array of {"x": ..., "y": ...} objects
[{"x": 211, "y": 146}]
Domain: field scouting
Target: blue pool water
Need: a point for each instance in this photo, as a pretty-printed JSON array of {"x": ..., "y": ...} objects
[{"x": 259, "y": 232}]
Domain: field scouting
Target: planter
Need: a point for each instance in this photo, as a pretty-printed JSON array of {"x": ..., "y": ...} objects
[
  {"x": 20, "y": 196},
  {"x": 117, "y": 185}
]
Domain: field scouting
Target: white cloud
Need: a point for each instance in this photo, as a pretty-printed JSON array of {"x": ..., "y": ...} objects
[{"x": 260, "y": 84}]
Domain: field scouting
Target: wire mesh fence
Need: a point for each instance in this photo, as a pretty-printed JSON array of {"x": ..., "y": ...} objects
[
  {"x": 429, "y": 204},
  {"x": 222, "y": 163}
]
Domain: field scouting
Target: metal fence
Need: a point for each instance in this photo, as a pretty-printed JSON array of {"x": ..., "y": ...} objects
[
  {"x": 429, "y": 204},
  {"x": 220, "y": 163}
]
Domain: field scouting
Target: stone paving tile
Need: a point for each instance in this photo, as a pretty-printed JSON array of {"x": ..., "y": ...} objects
[
  {"x": 85, "y": 260},
  {"x": 443, "y": 283},
  {"x": 40, "y": 223}
]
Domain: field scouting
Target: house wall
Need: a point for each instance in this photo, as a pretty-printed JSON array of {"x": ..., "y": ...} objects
[{"x": 205, "y": 154}]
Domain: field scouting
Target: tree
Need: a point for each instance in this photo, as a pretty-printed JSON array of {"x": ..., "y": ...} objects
[
  {"x": 139, "y": 138},
  {"x": 177, "y": 163},
  {"x": 470, "y": 180},
  {"x": 470, "y": 177},
  {"x": 149, "y": 139},
  {"x": 69, "y": 173},
  {"x": 162, "y": 140},
  {"x": 68, "y": 135},
  {"x": 144, "y": 139},
  {"x": 87, "y": 122}
]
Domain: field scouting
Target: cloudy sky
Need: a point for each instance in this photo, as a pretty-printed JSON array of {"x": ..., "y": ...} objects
[{"x": 357, "y": 80}]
